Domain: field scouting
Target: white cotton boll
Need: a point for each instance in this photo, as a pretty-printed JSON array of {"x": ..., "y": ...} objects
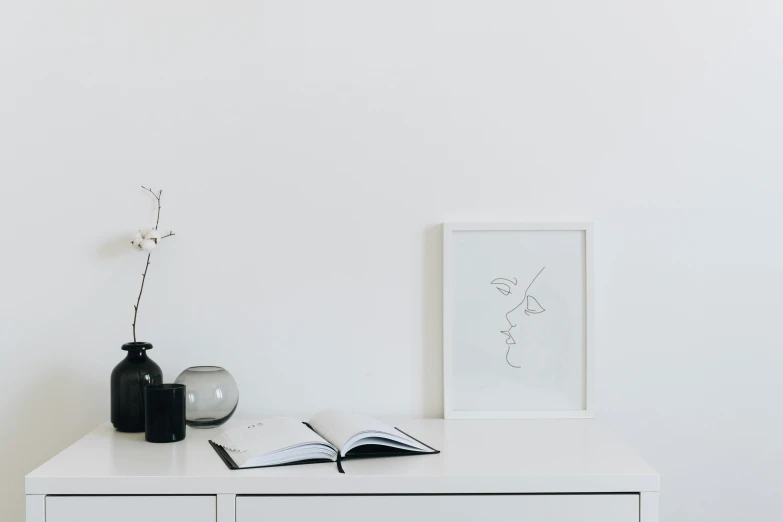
[
  {"x": 148, "y": 245},
  {"x": 137, "y": 239},
  {"x": 152, "y": 234}
]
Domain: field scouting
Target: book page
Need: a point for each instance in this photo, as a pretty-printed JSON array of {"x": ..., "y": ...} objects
[
  {"x": 347, "y": 430},
  {"x": 265, "y": 437},
  {"x": 337, "y": 426}
]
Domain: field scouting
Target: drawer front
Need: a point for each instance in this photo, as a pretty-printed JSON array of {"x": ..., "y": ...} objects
[
  {"x": 453, "y": 508},
  {"x": 130, "y": 509}
]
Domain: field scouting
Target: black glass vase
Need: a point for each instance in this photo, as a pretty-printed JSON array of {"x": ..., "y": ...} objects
[{"x": 128, "y": 380}]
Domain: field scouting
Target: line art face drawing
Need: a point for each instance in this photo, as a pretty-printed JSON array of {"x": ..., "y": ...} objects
[{"x": 532, "y": 307}]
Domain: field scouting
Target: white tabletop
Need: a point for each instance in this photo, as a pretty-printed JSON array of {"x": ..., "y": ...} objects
[{"x": 477, "y": 456}]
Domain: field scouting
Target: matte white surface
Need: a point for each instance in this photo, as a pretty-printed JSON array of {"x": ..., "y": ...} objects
[
  {"x": 227, "y": 508},
  {"x": 649, "y": 506},
  {"x": 497, "y": 508},
  {"x": 308, "y": 152},
  {"x": 552, "y": 351},
  {"x": 35, "y": 508},
  {"x": 513, "y": 456},
  {"x": 131, "y": 509}
]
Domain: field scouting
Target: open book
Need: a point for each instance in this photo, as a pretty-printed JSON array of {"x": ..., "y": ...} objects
[{"x": 330, "y": 435}]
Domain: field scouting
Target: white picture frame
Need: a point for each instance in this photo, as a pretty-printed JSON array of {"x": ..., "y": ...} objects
[{"x": 462, "y": 397}]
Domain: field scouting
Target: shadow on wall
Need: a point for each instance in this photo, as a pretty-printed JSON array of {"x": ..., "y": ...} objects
[
  {"x": 433, "y": 322},
  {"x": 113, "y": 248},
  {"x": 42, "y": 422}
]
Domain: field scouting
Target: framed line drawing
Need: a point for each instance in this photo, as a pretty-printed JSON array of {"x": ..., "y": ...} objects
[{"x": 517, "y": 320}]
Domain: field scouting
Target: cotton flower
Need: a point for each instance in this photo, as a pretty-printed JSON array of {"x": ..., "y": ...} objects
[
  {"x": 147, "y": 240},
  {"x": 148, "y": 245},
  {"x": 152, "y": 234}
]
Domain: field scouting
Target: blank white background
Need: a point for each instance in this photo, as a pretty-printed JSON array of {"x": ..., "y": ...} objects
[{"x": 308, "y": 152}]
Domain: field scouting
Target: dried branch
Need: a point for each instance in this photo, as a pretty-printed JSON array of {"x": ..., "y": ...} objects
[
  {"x": 136, "y": 306},
  {"x": 146, "y": 267},
  {"x": 157, "y": 196}
]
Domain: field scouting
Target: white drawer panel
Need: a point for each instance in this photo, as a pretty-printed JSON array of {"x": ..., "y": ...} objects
[
  {"x": 131, "y": 509},
  {"x": 468, "y": 508}
]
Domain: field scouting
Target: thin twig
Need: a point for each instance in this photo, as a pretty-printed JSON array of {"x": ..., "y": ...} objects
[
  {"x": 157, "y": 196},
  {"x": 136, "y": 306},
  {"x": 146, "y": 267},
  {"x": 167, "y": 235}
]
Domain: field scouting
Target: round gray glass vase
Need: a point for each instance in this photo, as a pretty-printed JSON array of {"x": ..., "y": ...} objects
[{"x": 211, "y": 396}]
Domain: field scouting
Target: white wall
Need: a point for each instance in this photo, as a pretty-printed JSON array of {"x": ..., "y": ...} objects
[{"x": 308, "y": 152}]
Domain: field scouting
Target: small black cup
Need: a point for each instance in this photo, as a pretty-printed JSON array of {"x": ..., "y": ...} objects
[{"x": 164, "y": 412}]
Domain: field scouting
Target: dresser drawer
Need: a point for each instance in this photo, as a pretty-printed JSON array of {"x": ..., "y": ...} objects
[
  {"x": 130, "y": 509},
  {"x": 453, "y": 508}
]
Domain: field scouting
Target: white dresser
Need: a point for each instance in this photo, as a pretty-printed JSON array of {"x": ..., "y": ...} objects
[{"x": 488, "y": 471}]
